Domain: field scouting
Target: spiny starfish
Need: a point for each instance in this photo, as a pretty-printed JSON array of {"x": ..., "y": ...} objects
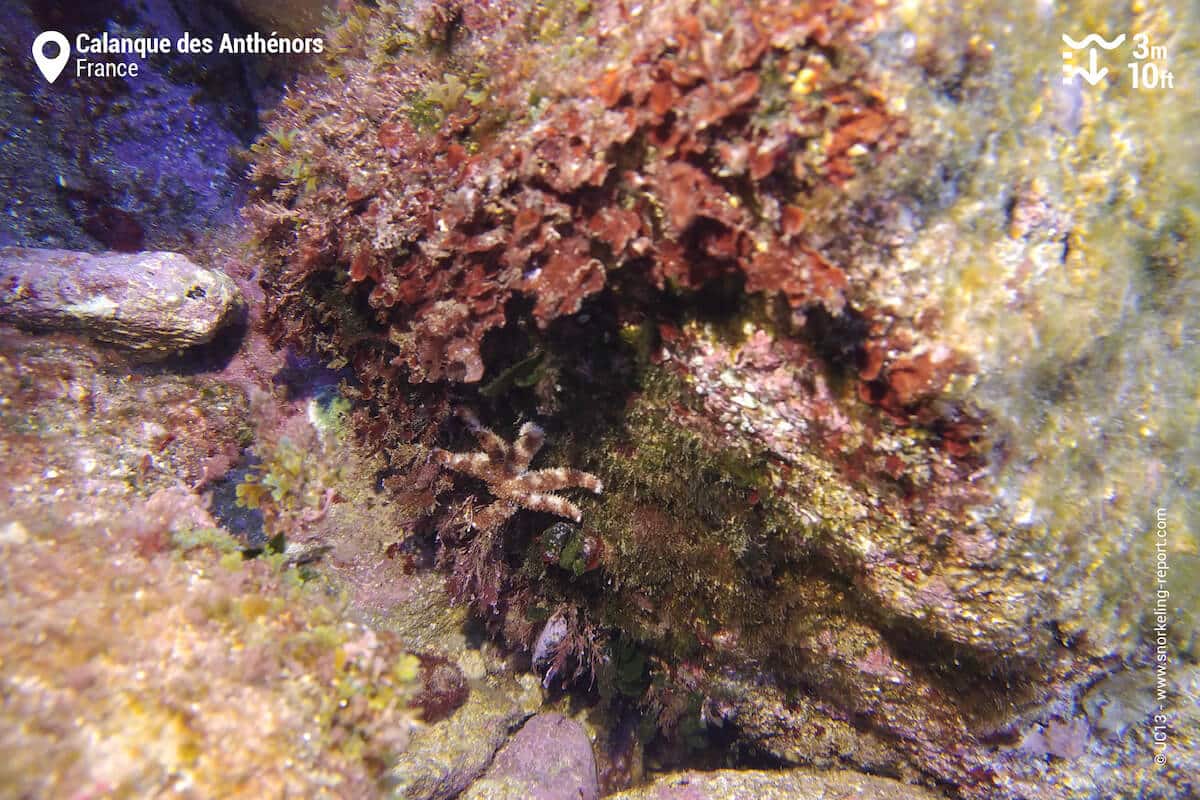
[{"x": 505, "y": 469}]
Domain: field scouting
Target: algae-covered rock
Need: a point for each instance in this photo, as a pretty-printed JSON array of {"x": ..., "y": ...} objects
[
  {"x": 82, "y": 435},
  {"x": 875, "y": 331},
  {"x": 549, "y": 758},
  {"x": 144, "y": 645},
  {"x": 776, "y": 785},
  {"x": 1060, "y": 262},
  {"x": 443, "y": 759},
  {"x": 141, "y": 652},
  {"x": 153, "y": 303}
]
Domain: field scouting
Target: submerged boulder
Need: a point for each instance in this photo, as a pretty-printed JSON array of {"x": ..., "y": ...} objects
[
  {"x": 153, "y": 303},
  {"x": 550, "y": 757}
]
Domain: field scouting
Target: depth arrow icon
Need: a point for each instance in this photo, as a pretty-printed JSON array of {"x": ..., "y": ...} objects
[
  {"x": 1093, "y": 74},
  {"x": 1090, "y": 74}
]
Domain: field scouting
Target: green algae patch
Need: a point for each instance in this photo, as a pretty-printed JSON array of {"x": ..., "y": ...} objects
[{"x": 682, "y": 526}]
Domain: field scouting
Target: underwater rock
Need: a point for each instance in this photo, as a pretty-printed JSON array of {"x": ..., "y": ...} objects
[
  {"x": 444, "y": 758},
  {"x": 136, "y": 657},
  {"x": 294, "y": 17},
  {"x": 786, "y": 785},
  {"x": 152, "y": 303},
  {"x": 82, "y": 434},
  {"x": 101, "y": 530},
  {"x": 549, "y": 758},
  {"x": 126, "y": 163},
  {"x": 887, "y": 400}
]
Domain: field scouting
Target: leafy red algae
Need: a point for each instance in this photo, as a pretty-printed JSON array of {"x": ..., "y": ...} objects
[{"x": 677, "y": 146}]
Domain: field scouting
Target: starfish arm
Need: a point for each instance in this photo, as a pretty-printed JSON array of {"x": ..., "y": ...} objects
[
  {"x": 476, "y": 465},
  {"x": 551, "y": 504},
  {"x": 549, "y": 480},
  {"x": 491, "y": 517},
  {"x": 529, "y": 441},
  {"x": 496, "y": 448}
]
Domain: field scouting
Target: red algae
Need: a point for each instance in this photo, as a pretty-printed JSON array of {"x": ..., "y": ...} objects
[{"x": 668, "y": 161}]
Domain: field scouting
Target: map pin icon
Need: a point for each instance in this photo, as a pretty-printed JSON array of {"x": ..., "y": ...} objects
[{"x": 51, "y": 67}]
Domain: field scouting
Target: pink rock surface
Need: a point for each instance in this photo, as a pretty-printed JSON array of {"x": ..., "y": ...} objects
[{"x": 550, "y": 758}]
